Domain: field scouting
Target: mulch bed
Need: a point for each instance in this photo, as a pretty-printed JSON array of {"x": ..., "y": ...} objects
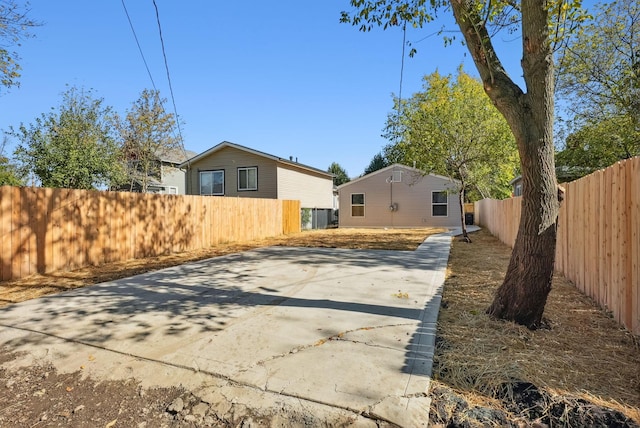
[{"x": 582, "y": 371}]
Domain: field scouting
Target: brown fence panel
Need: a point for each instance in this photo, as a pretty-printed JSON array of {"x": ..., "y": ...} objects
[
  {"x": 634, "y": 216},
  {"x": 45, "y": 230},
  {"x": 598, "y": 245},
  {"x": 5, "y": 231}
]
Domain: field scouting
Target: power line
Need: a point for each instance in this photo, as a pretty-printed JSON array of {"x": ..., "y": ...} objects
[
  {"x": 166, "y": 66},
  {"x": 138, "y": 43},
  {"x": 404, "y": 42}
]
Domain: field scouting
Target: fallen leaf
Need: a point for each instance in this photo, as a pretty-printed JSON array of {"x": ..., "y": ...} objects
[
  {"x": 401, "y": 295},
  {"x": 110, "y": 424},
  {"x": 69, "y": 388},
  {"x": 91, "y": 358}
]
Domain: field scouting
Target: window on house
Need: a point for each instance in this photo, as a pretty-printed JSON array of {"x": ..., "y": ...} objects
[
  {"x": 396, "y": 177},
  {"x": 357, "y": 205},
  {"x": 212, "y": 183},
  {"x": 518, "y": 191},
  {"x": 248, "y": 178},
  {"x": 439, "y": 204}
]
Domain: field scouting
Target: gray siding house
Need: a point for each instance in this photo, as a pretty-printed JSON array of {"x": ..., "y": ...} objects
[
  {"x": 172, "y": 178},
  {"x": 399, "y": 196},
  {"x": 230, "y": 169},
  {"x": 166, "y": 176}
]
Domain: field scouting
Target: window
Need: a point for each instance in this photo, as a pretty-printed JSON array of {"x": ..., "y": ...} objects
[
  {"x": 439, "y": 204},
  {"x": 212, "y": 183},
  {"x": 248, "y": 178},
  {"x": 396, "y": 177},
  {"x": 357, "y": 205},
  {"x": 518, "y": 191}
]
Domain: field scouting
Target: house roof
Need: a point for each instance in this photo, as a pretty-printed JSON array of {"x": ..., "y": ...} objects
[
  {"x": 391, "y": 167},
  {"x": 225, "y": 144},
  {"x": 175, "y": 156},
  {"x": 517, "y": 178}
]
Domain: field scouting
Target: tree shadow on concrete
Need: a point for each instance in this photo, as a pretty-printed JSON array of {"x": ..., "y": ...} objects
[{"x": 178, "y": 303}]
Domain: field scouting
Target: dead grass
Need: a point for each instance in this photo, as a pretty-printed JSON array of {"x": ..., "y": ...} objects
[
  {"x": 39, "y": 285},
  {"x": 585, "y": 354}
]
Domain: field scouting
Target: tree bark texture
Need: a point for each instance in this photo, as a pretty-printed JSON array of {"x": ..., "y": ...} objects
[{"x": 523, "y": 294}]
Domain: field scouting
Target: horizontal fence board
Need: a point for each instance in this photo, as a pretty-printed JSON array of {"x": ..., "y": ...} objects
[
  {"x": 44, "y": 230},
  {"x": 598, "y": 243}
]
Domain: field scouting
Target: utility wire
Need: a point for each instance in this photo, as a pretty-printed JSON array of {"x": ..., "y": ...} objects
[
  {"x": 404, "y": 42},
  {"x": 166, "y": 66},
  {"x": 135, "y": 36}
]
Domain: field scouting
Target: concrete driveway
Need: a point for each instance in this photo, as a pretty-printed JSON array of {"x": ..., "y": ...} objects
[{"x": 344, "y": 335}]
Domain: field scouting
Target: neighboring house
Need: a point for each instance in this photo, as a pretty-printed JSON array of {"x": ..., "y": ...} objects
[
  {"x": 230, "y": 169},
  {"x": 517, "y": 186},
  {"x": 166, "y": 178},
  {"x": 399, "y": 196},
  {"x": 564, "y": 174}
]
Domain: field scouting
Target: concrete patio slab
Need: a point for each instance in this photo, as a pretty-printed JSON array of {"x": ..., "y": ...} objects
[{"x": 350, "y": 332}]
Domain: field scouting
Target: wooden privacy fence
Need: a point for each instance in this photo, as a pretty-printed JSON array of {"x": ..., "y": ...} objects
[
  {"x": 598, "y": 245},
  {"x": 45, "y": 230}
]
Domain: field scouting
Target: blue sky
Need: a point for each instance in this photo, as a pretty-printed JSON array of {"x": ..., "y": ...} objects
[{"x": 282, "y": 77}]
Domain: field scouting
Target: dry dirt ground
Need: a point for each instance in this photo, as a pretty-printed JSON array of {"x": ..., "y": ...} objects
[{"x": 583, "y": 371}]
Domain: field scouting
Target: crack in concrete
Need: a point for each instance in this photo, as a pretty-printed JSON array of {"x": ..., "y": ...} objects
[
  {"x": 215, "y": 375},
  {"x": 230, "y": 381},
  {"x": 322, "y": 341}
]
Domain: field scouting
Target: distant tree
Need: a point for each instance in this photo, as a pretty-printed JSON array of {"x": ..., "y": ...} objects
[
  {"x": 599, "y": 77},
  {"x": 378, "y": 162},
  {"x": 148, "y": 135},
  {"x": 599, "y": 145},
  {"x": 339, "y": 174},
  {"x": 599, "y": 70},
  {"x": 72, "y": 147},
  {"x": 14, "y": 27},
  {"x": 451, "y": 128},
  {"x": 9, "y": 174}
]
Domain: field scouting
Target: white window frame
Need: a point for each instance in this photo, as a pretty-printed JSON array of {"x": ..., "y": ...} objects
[
  {"x": 246, "y": 170},
  {"x": 213, "y": 172},
  {"x": 439, "y": 204},
  {"x": 396, "y": 177},
  {"x": 364, "y": 200}
]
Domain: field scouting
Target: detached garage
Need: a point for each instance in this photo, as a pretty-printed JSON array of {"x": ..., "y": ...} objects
[{"x": 399, "y": 196}]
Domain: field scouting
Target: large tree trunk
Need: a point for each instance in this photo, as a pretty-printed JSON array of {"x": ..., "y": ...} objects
[{"x": 523, "y": 294}]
